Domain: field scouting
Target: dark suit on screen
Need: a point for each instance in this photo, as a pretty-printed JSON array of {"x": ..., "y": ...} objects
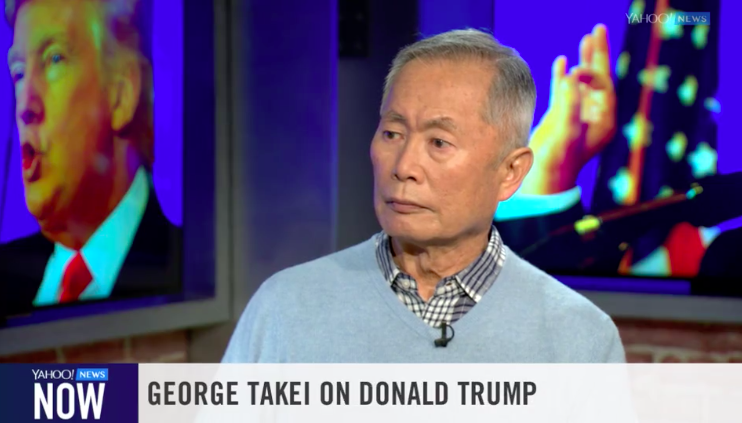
[{"x": 151, "y": 265}]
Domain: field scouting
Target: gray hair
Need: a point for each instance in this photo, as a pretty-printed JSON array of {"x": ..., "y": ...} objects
[{"x": 512, "y": 95}]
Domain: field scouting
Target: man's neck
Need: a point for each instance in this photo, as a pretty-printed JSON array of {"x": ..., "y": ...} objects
[
  {"x": 429, "y": 264},
  {"x": 78, "y": 229}
]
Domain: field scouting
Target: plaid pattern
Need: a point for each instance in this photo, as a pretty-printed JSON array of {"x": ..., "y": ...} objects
[{"x": 454, "y": 295}]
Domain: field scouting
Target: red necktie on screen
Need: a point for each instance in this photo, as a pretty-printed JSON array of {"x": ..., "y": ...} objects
[{"x": 76, "y": 278}]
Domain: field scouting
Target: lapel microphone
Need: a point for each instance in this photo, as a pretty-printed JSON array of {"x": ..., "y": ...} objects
[{"x": 444, "y": 339}]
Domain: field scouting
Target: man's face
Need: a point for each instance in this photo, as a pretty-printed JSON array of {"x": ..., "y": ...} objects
[
  {"x": 435, "y": 158},
  {"x": 62, "y": 106}
]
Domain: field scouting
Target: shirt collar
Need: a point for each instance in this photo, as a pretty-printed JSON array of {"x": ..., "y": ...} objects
[
  {"x": 105, "y": 251},
  {"x": 475, "y": 279}
]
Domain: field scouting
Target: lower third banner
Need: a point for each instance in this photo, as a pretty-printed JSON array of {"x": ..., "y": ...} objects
[{"x": 328, "y": 393}]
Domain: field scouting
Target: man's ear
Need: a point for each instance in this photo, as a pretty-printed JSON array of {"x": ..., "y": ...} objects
[
  {"x": 125, "y": 92},
  {"x": 514, "y": 169}
]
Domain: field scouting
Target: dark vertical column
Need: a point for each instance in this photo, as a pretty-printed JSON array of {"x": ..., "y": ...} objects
[{"x": 285, "y": 78}]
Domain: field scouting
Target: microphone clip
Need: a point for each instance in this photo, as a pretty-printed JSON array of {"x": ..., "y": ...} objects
[{"x": 444, "y": 339}]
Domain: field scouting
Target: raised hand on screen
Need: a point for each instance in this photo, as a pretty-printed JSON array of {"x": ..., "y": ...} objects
[{"x": 580, "y": 120}]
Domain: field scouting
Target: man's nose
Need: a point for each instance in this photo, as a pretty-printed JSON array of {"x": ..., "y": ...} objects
[
  {"x": 407, "y": 166},
  {"x": 29, "y": 106}
]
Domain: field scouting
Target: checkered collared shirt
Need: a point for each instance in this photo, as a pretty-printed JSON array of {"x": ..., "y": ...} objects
[{"x": 455, "y": 295}]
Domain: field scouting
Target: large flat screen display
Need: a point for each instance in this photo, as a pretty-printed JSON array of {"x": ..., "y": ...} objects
[
  {"x": 636, "y": 184},
  {"x": 92, "y": 153}
]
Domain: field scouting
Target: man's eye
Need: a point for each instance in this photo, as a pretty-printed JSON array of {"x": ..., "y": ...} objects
[
  {"x": 439, "y": 143},
  {"x": 55, "y": 58},
  {"x": 390, "y": 135},
  {"x": 16, "y": 71}
]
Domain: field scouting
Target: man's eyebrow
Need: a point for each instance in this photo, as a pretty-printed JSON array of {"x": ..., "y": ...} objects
[
  {"x": 393, "y": 116},
  {"x": 443, "y": 122}
]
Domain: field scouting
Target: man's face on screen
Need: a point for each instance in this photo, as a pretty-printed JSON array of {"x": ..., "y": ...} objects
[
  {"x": 434, "y": 155},
  {"x": 62, "y": 105}
]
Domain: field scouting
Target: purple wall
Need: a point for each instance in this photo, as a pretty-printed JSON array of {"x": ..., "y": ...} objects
[
  {"x": 437, "y": 16},
  {"x": 167, "y": 52}
]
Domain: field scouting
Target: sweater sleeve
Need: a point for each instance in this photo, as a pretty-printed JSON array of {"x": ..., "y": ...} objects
[{"x": 255, "y": 336}]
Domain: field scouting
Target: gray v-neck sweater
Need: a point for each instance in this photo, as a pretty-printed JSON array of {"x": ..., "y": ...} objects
[{"x": 339, "y": 309}]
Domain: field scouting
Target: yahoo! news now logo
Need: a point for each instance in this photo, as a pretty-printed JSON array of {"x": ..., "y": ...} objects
[
  {"x": 672, "y": 18},
  {"x": 67, "y": 393}
]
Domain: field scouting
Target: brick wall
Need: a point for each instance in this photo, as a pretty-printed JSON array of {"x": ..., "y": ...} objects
[
  {"x": 645, "y": 342},
  {"x": 171, "y": 347},
  {"x": 675, "y": 342}
]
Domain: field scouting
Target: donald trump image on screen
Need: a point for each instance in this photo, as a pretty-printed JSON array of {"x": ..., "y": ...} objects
[{"x": 84, "y": 113}]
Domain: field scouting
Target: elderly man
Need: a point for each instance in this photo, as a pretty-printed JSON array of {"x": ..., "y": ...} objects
[
  {"x": 83, "y": 93},
  {"x": 437, "y": 285}
]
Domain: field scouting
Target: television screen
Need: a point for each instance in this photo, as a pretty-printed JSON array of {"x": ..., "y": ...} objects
[
  {"x": 91, "y": 164},
  {"x": 636, "y": 180}
]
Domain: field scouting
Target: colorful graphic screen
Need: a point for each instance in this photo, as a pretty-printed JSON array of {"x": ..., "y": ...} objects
[
  {"x": 91, "y": 163},
  {"x": 637, "y": 155}
]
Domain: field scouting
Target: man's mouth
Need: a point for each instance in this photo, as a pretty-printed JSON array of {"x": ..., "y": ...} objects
[
  {"x": 404, "y": 206},
  {"x": 30, "y": 158},
  {"x": 28, "y": 154}
]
